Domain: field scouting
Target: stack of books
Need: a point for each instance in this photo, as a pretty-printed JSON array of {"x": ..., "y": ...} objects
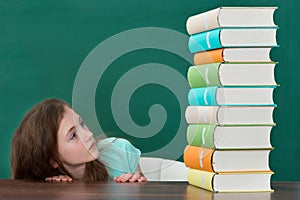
[{"x": 230, "y": 112}]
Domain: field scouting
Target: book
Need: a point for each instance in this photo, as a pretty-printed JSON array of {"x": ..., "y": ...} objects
[
  {"x": 231, "y": 96},
  {"x": 213, "y": 160},
  {"x": 229, "y": 137},
  {"x": 232, "y": 37},
  {"x": 230, "y": 182},
  {"x": 194, "y": 192},
  {"x": 230, "y": 115},
  {"x": 231, "y": 17},
  {"x": 232, "y": 74},
  {"x": 261, "y": 54}
]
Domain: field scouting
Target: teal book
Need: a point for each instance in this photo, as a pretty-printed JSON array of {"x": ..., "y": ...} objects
[
  {"x": 232, "y": 37},
  {"x": 231, "y": 96},
  {"x": 232, "y": 74}
]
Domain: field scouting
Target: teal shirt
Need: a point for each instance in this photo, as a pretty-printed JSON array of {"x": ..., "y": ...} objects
[{"x": 118, "y": 155}]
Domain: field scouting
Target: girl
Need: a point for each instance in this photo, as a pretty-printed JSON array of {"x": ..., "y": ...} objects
[{"x": 53, "y": 143}]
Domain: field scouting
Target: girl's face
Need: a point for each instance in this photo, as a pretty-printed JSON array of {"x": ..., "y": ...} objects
[{"x": 76, "y": 144}]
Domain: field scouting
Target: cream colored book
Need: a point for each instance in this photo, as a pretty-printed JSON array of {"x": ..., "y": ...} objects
[
  {"x": 231, "y": 17},
  {"x": 230, "y": 115},
  {"x": 231, "y": 182}
]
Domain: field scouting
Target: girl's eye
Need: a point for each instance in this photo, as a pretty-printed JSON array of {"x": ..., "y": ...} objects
[{"x": 73, "y": 136}]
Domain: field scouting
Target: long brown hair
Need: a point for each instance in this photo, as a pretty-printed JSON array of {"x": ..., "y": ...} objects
[{"x": 34, "y": 146}]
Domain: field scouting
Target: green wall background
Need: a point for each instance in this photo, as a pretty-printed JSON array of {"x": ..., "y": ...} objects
[{"x": 43, "y": 44}]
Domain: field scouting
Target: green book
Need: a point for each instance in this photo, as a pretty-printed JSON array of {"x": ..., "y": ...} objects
[
  {"x": 232, "y": 74},
  {"x": 229, "y": 137}
]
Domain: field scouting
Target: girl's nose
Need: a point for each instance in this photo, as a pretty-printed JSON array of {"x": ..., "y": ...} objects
[
  {"x": 86, "y": 134},
  {"x": 89, "y": 135}
]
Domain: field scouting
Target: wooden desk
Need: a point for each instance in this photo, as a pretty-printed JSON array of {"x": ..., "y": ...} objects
[{"x": 15, "y": 189}]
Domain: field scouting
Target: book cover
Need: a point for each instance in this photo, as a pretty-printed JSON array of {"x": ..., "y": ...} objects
[
  {"x": 230, "y": 182},
  {"x": 212, "y": 160},
  {"x": 230, "y": 115},
  {"x": 232, "y": 37},
  {"x": 232, "y": 74},
  {"x": 261, "y": 54},
  {"x": 229, "y": 137},
  {"x": 231, "y": 96},
  {"x": 231, "y": 17}
]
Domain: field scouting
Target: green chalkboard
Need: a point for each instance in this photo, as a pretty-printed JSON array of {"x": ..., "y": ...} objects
[{"x": 122, "y": 65}]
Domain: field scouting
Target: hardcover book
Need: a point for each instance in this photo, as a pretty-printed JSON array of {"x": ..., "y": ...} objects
[
  {"x": 232, "y": 37},
  {"x": 261, "y": 54},
  {"x": 230, "y": 115},
  {"x": 232, "y": 74},
  {"x": 229, "y": 137},
  {"x": 231, "y": 17},
  {"x": 230, "y": 182},
  {"x": 226, "y": 160},
  {"x": 231, "y": 96}
]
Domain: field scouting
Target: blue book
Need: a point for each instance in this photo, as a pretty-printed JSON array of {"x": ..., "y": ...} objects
[
  {"x": 231, "y": 96},
  {"x": 233, "y": 37}
]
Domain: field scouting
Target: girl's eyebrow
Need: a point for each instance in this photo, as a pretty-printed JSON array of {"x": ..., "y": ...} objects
[{"x": 73, "y": 128}]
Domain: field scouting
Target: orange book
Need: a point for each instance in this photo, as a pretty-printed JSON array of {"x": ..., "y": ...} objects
[
  {"x": 198, "y": 158},
  {"x": 218, "y": 161},
  {"x": 258, "y": 54},
  {"x": 212, "y": 56}
]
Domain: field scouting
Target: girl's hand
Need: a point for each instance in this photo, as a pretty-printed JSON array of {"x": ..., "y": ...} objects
[
  {"x": 130, "y": 177},
  {"x": 63, "y": 178}
]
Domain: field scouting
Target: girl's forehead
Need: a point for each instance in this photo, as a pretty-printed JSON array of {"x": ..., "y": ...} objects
[
  {"x": 70, "y": 114},
  {"x": 69, "y": 119}
]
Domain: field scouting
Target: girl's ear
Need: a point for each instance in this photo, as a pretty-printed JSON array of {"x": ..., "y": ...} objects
[{"x": 53, "y": 163}]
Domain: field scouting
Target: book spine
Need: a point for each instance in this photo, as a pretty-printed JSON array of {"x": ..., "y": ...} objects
[
  {"x": 205, "y": 96},
  {"x": 216, "y": 96},
  {"x": 200, "y": 179},
  {"x": 198, "y": 158},
  {"x": 201, "y": 135},
  {"x": 203, "y": 22},
  {"x": 202, "y": 114},
  {"x": 205, "y": 41},
  {"x": 204, "y": 75},
  {"x": 212, "y": 56}
]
